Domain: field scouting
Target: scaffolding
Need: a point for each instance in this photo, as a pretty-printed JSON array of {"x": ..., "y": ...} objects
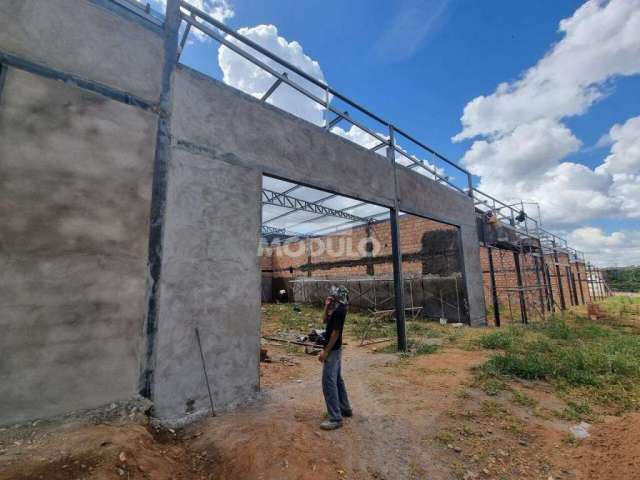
[{"x": 427, "y": 296}]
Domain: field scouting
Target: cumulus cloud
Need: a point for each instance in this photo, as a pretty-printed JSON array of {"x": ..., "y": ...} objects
[
  {"x": 600, "y": 41},
  {"x": 246, "y": 76},
  {"x": 625, "y": 148},
  {"x": 620, "y": 248},
  {"x": 527, "y": 151},
  {"x": 523, "y": 141}
]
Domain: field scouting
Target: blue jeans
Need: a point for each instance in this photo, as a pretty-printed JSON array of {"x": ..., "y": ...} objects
[{"x": 335, "y": 393}]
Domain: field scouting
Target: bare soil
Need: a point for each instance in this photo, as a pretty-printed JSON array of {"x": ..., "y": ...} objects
[{"x": 414, "y": 418}]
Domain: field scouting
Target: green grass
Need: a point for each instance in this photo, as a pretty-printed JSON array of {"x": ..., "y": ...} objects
[
  {"x": 621, "y": 305},
  {"x": 523, "y": 399},
  {"x": 501, "y": 339},
  {"x": 414, "y": 348},
  {"x": 582, "y": 359},
  {"x": 577, "y": 411}
]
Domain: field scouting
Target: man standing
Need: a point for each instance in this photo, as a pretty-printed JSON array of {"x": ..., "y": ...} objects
[{"x": 335, "y": 393}]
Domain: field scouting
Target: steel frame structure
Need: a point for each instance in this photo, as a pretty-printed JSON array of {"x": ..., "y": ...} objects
[
  {"x": 269, "y": 197},
  {"x": 193, "y": 17}
]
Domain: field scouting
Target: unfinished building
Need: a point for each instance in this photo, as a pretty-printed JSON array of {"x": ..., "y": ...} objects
[{"x": 131, "y": 199}]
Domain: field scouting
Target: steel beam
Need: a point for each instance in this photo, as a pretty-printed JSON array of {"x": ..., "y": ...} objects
[
  {"x": 569, "y": 284},
  {"x": 344, "y": 224},
  {"x": 270, "y": 197},
  {"x": 538, "y": 279},
  {"x": 494, "y": 290},
  {"x": 336, "y": 120},
  {"x": 398, "y": 279},
  {"x": 523, "y": 303},
  {"x": 580, "y": 283},
  {"x": 267, "y": 230},
  {"x": 547, "y": 274},
  {"x": 273, "y": 87}
]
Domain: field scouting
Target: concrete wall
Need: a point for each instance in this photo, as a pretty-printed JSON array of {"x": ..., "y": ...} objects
[
  {"x": 227, "y": 125},
  {"x": 75, "y": 201},
  {"x": 74, "y": 205},
  {"x": 84, "y": 39},
  {"x": 210, "y": 279}
]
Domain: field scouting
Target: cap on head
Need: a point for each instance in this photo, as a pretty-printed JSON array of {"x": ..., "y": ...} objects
[{"x": 340, "y": 293}]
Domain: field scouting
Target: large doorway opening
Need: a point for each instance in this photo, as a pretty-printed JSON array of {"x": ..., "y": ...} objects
[{"x": 313, "y": 241}]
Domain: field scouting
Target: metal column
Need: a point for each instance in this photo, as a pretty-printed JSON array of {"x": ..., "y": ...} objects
[
  {"x": 523, "y": 303},
  {"x": 547, "y": 275},
  {"x": 572, "y": 286},
  {"x": 590, "y": 287},
  {"x": 494, "y": 290},
  {"x": 398, "y": 282},
  {"x": 537, "y": 269},
  {"x": 580, "y": 283},
  {"x": 563, "y": 305}
]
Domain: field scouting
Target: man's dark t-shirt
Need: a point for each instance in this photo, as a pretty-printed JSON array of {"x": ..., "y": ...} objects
[{"x": 336, "y": 322}]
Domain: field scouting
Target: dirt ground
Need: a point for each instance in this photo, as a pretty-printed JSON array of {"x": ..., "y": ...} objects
[{"x": 414, "y": 418}]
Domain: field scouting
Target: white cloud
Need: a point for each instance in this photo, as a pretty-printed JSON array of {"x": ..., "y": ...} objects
[
  {"x": 523, "y": 140},
  {"x": 221, "y": 10},
  {"x": 572, "y": 193},
  {"x": 600, "y": 40},
  {"x": 246, "y": 76},
  {"x": 527, "y": 151},
  {"x": 625, "y": 148},
  {"x": 627, "y": 188},
  {"x": 620, "y": 248}
]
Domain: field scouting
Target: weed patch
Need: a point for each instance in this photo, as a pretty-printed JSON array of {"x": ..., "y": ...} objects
[{"x": 580, "y": 357}]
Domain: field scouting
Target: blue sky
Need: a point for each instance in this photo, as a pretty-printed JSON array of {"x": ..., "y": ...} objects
[{"x": 419, "y": 63}]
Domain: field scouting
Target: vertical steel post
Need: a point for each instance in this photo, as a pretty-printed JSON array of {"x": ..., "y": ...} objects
[
  {"x": 549, "y": 287},
  {"x": 494, "y": 290},
  {"x": 523, "y": 302},
  {"x": 563, "y": 305},
  {"x": 538, "y": 279},
  {"x": 572, "y": 286},
  {"x": 326, "y": 112},
  {"x": 395, "y": 248},
  {"x": 545, "y": 280},
  {"x": 580, "y": 282}
]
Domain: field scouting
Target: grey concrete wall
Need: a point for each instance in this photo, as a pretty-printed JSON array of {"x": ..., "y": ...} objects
[
  {"x": 74, "y": 205},
  {"x": 237, "y": 128},
  {"x": 81, "y": 38},
  {"x": 228, "y": 125},
  {"x": 210, "y": 279}
]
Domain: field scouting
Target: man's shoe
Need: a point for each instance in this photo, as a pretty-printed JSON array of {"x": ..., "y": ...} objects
[
  {"x": 330, "y": 425},
  {"x": 347, "y": 413}
]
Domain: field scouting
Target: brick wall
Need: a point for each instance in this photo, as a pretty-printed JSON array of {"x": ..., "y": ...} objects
[
  {"x": 315, "y": 257},
  {"x": 534, "y": 282},
  {"x": 431, "y": 247}
]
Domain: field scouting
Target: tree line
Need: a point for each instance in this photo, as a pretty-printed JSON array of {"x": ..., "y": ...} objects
[{"x": 623, "y": 279}]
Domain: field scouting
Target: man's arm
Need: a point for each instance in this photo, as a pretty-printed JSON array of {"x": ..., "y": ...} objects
[
  {"x": 327, "y": 348},
  {"x": 325, "y": 314}
]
